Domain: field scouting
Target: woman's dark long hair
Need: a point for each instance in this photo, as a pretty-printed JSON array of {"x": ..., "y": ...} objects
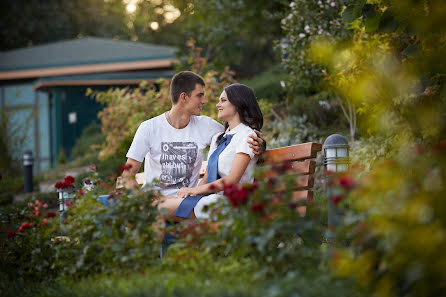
[{"x": 245, "y": 102}]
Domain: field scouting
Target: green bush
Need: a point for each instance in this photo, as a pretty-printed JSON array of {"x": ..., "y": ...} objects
[
  {"x": 11, "y": 185},
  {"x": 268, "y": 83},
  {"x": 86, "y": 148},
  {"x": 107, "y": 239},
  {"x": 26, "y": 250},
  {"x": 62, "y": 157}
]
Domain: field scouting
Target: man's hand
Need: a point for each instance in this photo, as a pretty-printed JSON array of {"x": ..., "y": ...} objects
[
  {"x": 130, "y": 168},
  {"x": 258, "y": 144},
  {"x": 186, "y": 192}
]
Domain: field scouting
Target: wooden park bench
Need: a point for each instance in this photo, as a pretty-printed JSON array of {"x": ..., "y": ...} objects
[{"x": 302, "y": 158}]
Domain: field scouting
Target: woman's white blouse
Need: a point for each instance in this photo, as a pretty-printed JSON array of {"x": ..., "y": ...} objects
[{"x": 239, "y": 144}]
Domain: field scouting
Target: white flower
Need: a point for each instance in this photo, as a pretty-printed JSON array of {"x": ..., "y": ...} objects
[
  {"x": 332, "y": 4},
  {"x": 282, "y": 84},
  {"x": 302, "y": 35},
  {"x": 320, "y": 31},
  {"x": 325, "y": 104},
  {"x": 307, "y": 28},
  {"x": 290, "y": 16},
  {"x": 292, "y": 4},
  {"x": 319, "y": 3}
]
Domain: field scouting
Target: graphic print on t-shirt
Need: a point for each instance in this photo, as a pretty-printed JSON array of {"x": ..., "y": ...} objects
[{"x": 177, "y": 163}]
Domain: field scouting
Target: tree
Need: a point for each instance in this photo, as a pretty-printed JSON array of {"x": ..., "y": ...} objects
[
  {"x": 240, "y": 34},
  {"x": 32, "y": 22}
]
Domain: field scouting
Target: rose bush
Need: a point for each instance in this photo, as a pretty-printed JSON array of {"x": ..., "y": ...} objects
[
  {"x": 260, "y": 222},
  {"x": 107, "y": 239},
  {"x": 27, "y": 253}
]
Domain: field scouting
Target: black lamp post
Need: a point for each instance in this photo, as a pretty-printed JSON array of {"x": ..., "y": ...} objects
[
  {"x": 336, "y": 159},
  {"x": 28, "y": 161}
]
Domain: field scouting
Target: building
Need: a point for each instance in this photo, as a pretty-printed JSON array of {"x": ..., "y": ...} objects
[{"x": 42, "y": 88}]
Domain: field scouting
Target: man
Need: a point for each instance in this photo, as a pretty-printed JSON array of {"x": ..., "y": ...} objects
[{"x": 173, "y": 142}]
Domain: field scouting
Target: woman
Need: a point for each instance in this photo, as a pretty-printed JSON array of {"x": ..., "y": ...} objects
[{"x": 231, "y": 159}]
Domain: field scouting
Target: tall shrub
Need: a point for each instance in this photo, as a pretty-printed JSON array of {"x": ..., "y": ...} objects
[{"x": 393, "y": 70}]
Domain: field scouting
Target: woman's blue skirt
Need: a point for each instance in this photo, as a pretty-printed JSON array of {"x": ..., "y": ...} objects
[{"x": 186, "y": 206}]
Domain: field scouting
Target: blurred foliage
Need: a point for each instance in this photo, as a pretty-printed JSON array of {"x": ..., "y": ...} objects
[
  {"x": 13, "y": 137},
  {"x": 11, "y": 185},
  {"x": 267, "y": 85},
  {"x": 53, "y": 20},
  {"x": 393, "y": 90},
  {"x": 260, "y": 222},
  {"x": 62, "y": 157},
  {"x": 393, "y": 71},
  {"x": 224, "y": 28},
  {"x": 26, "y": 250},
  {"x": 306, "y": 22},
  {"x": 86, "y": 148},
  {"x": 396, "y": 226},
  {"x": 126, "y": 108},
  {"x": 232, "y": 279},
  {"x": 107, "y": 239}
]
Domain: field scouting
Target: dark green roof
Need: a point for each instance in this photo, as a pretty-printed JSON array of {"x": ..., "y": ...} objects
[{"x": 82, "y": 51}]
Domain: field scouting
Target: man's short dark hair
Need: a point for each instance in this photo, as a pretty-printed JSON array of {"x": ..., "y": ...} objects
[{"x": 184, "y": 81}]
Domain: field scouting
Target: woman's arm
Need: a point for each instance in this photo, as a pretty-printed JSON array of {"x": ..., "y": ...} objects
[
  {"x": 239, "y": 165},
  {"x": 204, "y": 178}
]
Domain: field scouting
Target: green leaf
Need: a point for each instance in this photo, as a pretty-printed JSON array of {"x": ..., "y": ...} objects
[
  {"x": 411, "y": 51},
  {"x": 387, "y": 23},
  {"x": 348, "y": 14},
  {"x": 368, "y": 11}
]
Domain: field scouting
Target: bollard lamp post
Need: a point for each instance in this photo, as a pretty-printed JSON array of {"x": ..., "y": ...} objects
[
  {"x": 336, "y": 153},
  {"x": 336, "y": 159},
  {"x": 28, "y": 161}
]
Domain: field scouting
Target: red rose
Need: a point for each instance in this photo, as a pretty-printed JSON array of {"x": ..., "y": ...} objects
[
  {"x": 21, "y": 229},
  {"x": 69, "y": 179},
  {"x": 45, "y": 205},
  {"x": 347, "y": 182},
  {"x": 236, "y": 196},
  {"x": 337, "y": 198},
  {"x": 292, "y": 205},
  {"x": 50, "y": 215},
  {"x": 69, "y": 203},
  {"x": 272, "y": 180},
  {"x": 125, "y": 167},
  {"x": 258, "y": 207},
  {"x": 68, "y": 184},
  {"x": 11, "y": 234},
  {"x": 87, "y": 181},
  {"x": 277, "y": 199},
  {"x": 59, "y": 185},
  {"x": 45, "y": 222}
]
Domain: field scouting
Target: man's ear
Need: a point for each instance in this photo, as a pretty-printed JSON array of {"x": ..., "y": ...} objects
[{"x": 183, "y": 96}]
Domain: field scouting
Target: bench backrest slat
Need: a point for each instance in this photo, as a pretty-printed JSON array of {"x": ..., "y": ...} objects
[{"x": 296, "y": 152}]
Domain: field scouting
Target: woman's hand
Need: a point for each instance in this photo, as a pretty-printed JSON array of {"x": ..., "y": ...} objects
[{"x": 185, "y": 192}]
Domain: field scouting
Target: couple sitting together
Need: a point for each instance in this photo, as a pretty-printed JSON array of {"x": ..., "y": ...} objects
[{"x": 173, "y": 143}]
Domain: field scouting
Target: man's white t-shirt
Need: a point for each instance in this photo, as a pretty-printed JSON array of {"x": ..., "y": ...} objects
[{"x": 172, "y": 156}]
